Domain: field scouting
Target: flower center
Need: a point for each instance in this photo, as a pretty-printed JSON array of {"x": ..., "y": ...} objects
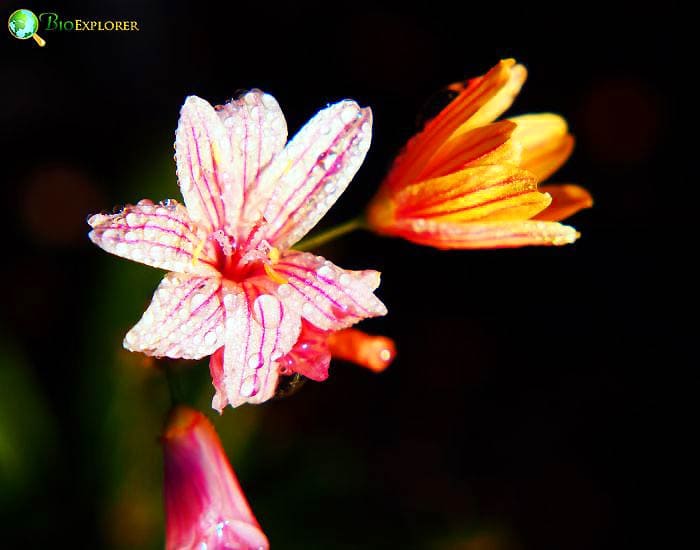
[{"x": 237, "y": 262}]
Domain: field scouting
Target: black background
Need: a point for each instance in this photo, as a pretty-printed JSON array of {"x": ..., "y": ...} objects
[{"x": 515, "y": 406}]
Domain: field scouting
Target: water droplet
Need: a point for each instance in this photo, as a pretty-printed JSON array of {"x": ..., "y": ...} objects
[
  {"x": 307, "y": 309},
  {"x": 250, "y": 386},
  {"x": 326, "y": 272},
  {"x": 349, "y": 114},
  {"x": 210, "y": 338},
  {"x": 254, "y": 361},
  {"x": 329, "y": 160},
  {"x": 269, "y": 101},
  {"x": 110, "y": 235},
  {"x": 266, "y": 310},
  {"x": 284, "y": 290},
  {"x": 345, "y": 279},
  {"x": 197, "y": 300}
]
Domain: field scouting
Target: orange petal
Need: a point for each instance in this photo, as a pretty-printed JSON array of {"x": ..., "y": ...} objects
[
  {"x": 484, "y": 193},
  {"x": 500, "y": 102},
  {"x": 490, "y": 144},
  {"x": 546, "y": 143},
  {"x": 486, "y": 235},
  {"x": 373, "y": 352},
  {"x": 567, "y": 199},
  {"x": 478, "y": 92}
]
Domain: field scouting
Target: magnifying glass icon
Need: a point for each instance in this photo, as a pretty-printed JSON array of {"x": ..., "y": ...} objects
[{"x": 23, "y": 25}]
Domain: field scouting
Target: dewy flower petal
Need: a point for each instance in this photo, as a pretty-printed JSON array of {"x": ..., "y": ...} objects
[
  {"x": 185, "y": 319},
  {"x": 205, "y": 166},
  {"x": 308, "y": 176},
  {"x": 327, "y": 296},
  {"x": 161, "y": 236},
  {"x": 204, "y": 504},
  {"x": 235, "y": 291},
  {"x": 467, "y": 182},
  {"x": 259, "y": 331},
  {"x": 257, "y": 132}
]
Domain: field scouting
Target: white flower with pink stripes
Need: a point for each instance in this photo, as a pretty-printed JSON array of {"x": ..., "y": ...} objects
[{"x": 235, "y": 290}]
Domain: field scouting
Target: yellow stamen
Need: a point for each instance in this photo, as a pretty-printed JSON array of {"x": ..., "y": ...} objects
[
  {"x": 198, "y": 251},
  {"x": 216, "y": 152},
  {"x": 274, "y": 256},
  {"x": 276, "y": 277}
]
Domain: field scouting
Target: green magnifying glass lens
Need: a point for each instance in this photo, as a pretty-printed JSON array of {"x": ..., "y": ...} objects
[{"x": 23, "y": 24}]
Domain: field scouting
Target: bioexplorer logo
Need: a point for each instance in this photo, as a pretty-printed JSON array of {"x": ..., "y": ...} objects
[{"x": 24, "y": 24}]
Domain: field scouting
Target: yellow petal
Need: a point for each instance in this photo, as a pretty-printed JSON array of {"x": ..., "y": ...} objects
[
  {"x": 490, "y": 144},
  {"x": 486, "y": 235},
  {"x": 485, "y": 193},
  {"x": 567, "y": 199},
  {"x": 546, "y": 142}
]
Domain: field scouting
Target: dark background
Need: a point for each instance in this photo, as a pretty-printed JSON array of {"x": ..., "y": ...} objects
[{"x": 513, "y": 417}]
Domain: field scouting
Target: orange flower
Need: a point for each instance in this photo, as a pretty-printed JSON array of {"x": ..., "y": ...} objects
[{"x": 466, "y": 181}]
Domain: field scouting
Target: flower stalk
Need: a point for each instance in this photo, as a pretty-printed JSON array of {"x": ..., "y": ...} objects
[{"x": 328, "y": 235}]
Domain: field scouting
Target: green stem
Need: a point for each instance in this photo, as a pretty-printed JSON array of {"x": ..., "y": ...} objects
[
  {"x": 173, "y": 386},
  {"x": 333, "y": 233}
]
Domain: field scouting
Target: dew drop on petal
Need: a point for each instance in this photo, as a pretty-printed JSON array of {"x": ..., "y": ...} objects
[
  {"x": 250, "y": 386},
  {"x": 266, "y": 310},
  {"x": 326, "y": 272},
  {"x": 254, "y": 361},
  {"x": 348, "y": 115},
  {"x": 197, "y": 300},
  {"x": 210, "y": 338},
  {"x": 284, "y": 290}
]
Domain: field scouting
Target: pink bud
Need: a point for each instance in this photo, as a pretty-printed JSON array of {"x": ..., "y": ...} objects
[{"x": 204, "y": 505}]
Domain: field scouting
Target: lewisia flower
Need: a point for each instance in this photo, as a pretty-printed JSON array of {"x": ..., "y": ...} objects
[
  {"x": 204, "y": 505},
  {"x": 465, "y": 181},
  {"x": 235, "y": 290}
]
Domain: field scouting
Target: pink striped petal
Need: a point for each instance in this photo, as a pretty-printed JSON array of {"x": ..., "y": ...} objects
[
  {"x": 307, "y": 177},
  {"x": 209, "y": 181},
  {"x": 257, "y": 131},
  {"x": 259, "y": 331},
  {"x": 327, "y": 296},
  {"x": 185, "y": 319},
  {"x": 157, "y": 235}
]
